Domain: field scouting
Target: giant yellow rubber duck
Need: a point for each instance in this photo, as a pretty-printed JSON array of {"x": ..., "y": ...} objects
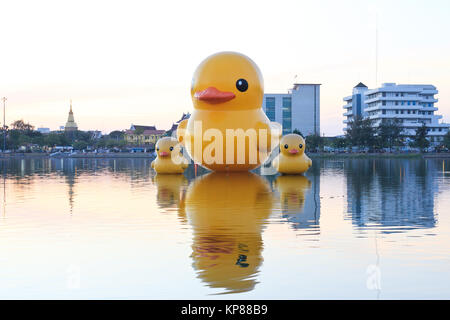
[
  {"x": 228, "y": 130},
  {"x": 168, "y": 157},
  {"x": 292, "y": 158},
  {"x": 227, "y": 212}
]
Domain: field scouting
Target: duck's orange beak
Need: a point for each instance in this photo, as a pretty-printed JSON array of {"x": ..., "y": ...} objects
[
  {"x": 163, "y": 154},
  {"x": 293, "y": 151},
  {"x": 213, "y": 95}
]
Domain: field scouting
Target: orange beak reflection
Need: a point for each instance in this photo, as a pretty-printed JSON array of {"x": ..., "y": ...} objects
[{"x": 214, "y": 96}]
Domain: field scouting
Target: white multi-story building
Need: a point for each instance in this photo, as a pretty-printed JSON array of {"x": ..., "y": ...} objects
[
  {"x": 298, "y": 109},
  {"x": 412, "y": 105}
]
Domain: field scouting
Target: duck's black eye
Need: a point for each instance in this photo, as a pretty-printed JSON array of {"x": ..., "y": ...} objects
[
  {"x": 242, "y": 85},
  {"x": 286, "y": 146},
  {"x": 157, "y": 149},
  {"x": 171, "y": 148},
  {"x": 300, "y": 146}
]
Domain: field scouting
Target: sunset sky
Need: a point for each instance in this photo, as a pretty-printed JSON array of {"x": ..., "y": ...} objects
[{"x": 124, "y": 62}]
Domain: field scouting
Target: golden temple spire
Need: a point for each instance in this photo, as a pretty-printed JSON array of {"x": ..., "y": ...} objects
[{"x": 71, "y": 124}]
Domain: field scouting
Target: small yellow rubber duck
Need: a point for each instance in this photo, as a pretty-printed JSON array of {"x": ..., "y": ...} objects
[
  {"x": 168, "y": 157},
  {"x": 228, "y": 129},
  {"x": 292, "y": 158}
]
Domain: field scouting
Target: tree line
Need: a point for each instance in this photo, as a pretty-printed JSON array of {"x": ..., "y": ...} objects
[
  {"x": 361, "y": 133},
  {"x": 23, "y": 134}
]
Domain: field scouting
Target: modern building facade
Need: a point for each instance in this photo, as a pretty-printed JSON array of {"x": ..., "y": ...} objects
[
  {"x": 298, "y": 109},
  {"x": 412, "y": 105}
]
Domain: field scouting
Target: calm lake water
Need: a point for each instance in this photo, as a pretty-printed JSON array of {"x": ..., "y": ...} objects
[{"x": 108, "y": 229}]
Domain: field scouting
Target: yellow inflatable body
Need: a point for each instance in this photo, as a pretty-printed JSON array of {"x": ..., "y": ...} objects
[
  {"x": 228, "y": 130},
  {"x": 227, "y": 213},
  {"x": 168, "y": 157},
  {"x": 292, "y": 158}
]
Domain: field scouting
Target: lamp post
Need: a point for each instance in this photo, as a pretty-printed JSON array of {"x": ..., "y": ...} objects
[{"x": 4, "y": 123}]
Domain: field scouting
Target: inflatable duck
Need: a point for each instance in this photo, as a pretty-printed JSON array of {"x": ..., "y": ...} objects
[
  {"x": 168, "y": 157},
  {"x": 227, "y": 212},
  {"x": 228, "y": 130},
  {"x": 292, "y": 158}
]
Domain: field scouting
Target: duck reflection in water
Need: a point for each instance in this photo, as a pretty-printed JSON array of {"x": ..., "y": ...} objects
[
  {"x": 292, "y": 190},
  {"x": 227, "y": 213},
  {"x": 299, "y": 201},
  {"x": 171, "y": 189}
]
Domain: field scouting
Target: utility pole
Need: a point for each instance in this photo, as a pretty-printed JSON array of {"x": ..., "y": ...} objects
[{"x": 4, "y": 123}]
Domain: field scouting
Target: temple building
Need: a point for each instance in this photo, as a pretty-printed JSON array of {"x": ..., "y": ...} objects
[
  {"x": 143, "y": 135},
  {"x": 71, "y": 124}
]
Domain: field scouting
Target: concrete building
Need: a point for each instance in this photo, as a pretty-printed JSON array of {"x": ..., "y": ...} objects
[
  {"x": 298, "y": 109},
  {"x": 412, "y": 105},
  {"x": 43, "y": 130},
  {"x": 143, "y": 135}
]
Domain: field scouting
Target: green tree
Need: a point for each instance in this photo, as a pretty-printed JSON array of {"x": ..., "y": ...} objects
[
  {"x": 360, "y": 132},
  {"x": 446, "y": 141},
  {"x": 117, "y": 135},
  {"x": 22, "y": 126},
  {"x": 80, "y": 145},
  {"x": 339, "y": 142},
  {"x": 314, "y": 143},
  {"x": 420, "y": 140},
  {"x": 296, "y": 131},
  {"x": 389, "y": 133}
]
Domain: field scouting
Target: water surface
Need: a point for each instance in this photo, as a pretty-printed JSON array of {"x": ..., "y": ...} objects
[{"x": 111, "y": 228}]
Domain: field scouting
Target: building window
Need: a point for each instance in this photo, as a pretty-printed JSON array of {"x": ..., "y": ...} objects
[
  {"x": 384, "y": 103},
  {"x": 384, "y": 111},
  {"x": 414, "y": 103},
  {"x": 396, "y": 111},
  {"x": 396, "y": 103},
  {"x": 270, "y": 108},
  {"x": 409, "y": 103},
  {"x": 384, "y": 94},
  {"x": 287, "y": 115}
]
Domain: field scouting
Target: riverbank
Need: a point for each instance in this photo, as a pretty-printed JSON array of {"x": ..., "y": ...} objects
[
  {"x": 138, "y": 155},
  {"x": 379, "y": 155},
  {"x": 141, "y": 155}
]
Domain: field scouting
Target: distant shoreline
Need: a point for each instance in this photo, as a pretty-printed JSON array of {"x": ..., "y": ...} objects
[
  {"x": 379, "y": 155},
  {"x": 138, "y": 155},
  {"x": 150, "y": 156}
]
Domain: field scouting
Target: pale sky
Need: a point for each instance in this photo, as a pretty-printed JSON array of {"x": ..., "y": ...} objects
[{"x": 124, "y": 62}]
